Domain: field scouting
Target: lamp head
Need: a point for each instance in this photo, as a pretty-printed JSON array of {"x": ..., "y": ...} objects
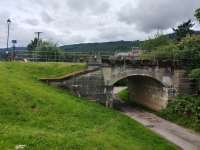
[{"x": 8, "y": 21}]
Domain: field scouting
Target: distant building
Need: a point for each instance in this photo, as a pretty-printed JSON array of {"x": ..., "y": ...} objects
[{"x": 132, "y": 55}]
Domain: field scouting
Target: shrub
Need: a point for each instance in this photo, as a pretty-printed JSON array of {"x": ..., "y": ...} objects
[
  {"x": 155, "y": 42},
  {"x": 195, "y": 74},
  {"x": 184, "y": 110}
]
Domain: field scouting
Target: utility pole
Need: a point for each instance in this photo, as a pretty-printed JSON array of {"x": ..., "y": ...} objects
[
  {"x": 38, "y": 35},
  {"x": 38, "y": 41}
]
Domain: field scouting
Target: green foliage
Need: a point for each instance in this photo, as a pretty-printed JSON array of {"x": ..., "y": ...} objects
[
  {"x": 195, "y": 74},
  {"x": 197, "y": 14},
  {"x": 184, "y": 111},
  {"x": 47, "y": 51},
  {"x": 190, "y": 42},
  {"x": 45, "y": 117},
  {"x": 44, "y": 50},
  {"x": 189, "y": 49},
  {"x": 123, "y": 95},
  {"x": 165, "y": 52},
  {"x": 183, "y": 30},
  {"x": 33, "y": 44},
  {"x": 155, "y": 42}
]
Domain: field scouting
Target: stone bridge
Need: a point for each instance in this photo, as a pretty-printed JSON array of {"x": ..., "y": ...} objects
[{"x": 151, "y": 86}]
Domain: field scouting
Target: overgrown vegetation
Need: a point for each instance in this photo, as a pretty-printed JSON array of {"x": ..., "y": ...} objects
[
  {"x": 184, "y": 110},
  {"x": 44, "y": 51},
  {"x": 43, "y": 117},
  {"x": 195, "y": 74},
  {"x": 197, "y": 14},
  {"x": 155, "y": 42}
]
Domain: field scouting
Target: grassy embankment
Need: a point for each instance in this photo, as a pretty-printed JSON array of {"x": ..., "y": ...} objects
[{"x": 44, "y": 117}]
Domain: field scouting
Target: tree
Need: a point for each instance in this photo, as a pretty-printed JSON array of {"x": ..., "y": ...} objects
[
  {"x": 183, "y": 30},
  {"x": 189, "y": 49},
  {"x": 33, "y": 44},
  {"x": 197, "y": 14},
  {"x": 48, "y": 51}
]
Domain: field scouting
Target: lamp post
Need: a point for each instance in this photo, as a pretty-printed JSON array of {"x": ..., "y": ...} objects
[{"x": 8, "y": 23}]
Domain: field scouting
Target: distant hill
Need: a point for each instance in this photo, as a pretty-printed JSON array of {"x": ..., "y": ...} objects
[
  {"x": 110, "y": 47},
  {"x": 122, "y": 46},
  {"x": 17, "y": 49},
  {"x": 102, "y": 47}
]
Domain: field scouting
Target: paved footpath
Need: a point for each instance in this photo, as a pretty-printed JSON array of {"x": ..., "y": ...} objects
[{"x": 184, "y": 138}]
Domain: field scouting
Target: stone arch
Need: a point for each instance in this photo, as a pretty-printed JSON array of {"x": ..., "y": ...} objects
[{"x": 147, "y": 90}]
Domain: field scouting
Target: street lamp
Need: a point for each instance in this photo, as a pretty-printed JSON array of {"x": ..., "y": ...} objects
[{"x": 8, "y": 23}]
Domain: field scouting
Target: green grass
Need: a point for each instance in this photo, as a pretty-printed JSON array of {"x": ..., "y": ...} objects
[
  {"x": 123, "y": 95},
  {"x": 44, "y": 117}
]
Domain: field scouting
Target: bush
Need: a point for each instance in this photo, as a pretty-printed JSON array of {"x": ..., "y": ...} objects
[
  {"x": 189, "y": 49},
  {"x": 48, "y": 51},
  {"x": 155, "y": 42},
  {"x": 184, "y": 110},
  {"x": 161, "y": 48},
  {"x": 167, "y": 52},
  {"x": 195, "y": 74}
]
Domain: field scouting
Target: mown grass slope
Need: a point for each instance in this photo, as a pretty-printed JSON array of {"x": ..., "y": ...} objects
[{"x": 43, "y": 117}]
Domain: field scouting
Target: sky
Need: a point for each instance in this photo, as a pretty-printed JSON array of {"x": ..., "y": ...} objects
[{"x": 81, "y": 21}]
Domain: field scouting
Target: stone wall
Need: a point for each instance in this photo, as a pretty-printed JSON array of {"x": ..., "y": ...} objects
[
  {"x": 90, "y": 86},
  {"x": 147, "y": 92},
  {"x": 182, "y": 83}
]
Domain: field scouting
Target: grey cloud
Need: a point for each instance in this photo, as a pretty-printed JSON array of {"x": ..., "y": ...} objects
[
  {"x": 112, "y": 34},
  {"x": 52, "y": 4},
  {"x": 89, "y": 5},
  {"x": 150, "y": 15},
  {"x": 46, "y": 17},
  {"x": 77, "y": 39},
  {"x": 118, "y": 32},
  {"x": 4, "y": 15},
  {"x": 32, "y": 22}
]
